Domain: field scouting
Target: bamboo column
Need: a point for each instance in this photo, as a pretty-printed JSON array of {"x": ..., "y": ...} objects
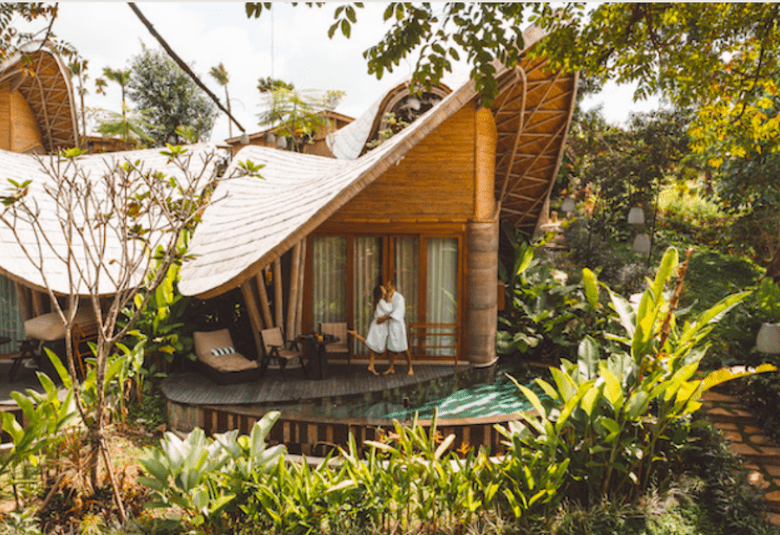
[
  {"x": 254, "y": 315},
  {"x": 24, "y": 304},
  {"x": 293, "y": 297},
  {"x": 278, "y": 297},
  {"x": 260, "y": 280},
  {"x": 299, "y": 314},
  {"x": 482, "y": 257},
  {"x": 37, "y": 303}
]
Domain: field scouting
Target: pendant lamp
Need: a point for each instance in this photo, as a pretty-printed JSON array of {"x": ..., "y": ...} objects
[
  {"x": 636, "y": 216},
  {"x": 641, "y": 244},
  {"x": 768, "y": 339},
  {"x": 568, "y": 205}
]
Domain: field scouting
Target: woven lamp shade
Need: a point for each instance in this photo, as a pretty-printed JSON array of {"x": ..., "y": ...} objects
[
  {"x": 641, "y": 244},
  {"x": 768, "y": 339},
  {"x": 568, "y": 205},
  {"x": 636, "y": 216}
]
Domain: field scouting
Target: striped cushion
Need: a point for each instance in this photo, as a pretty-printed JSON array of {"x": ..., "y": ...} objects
[{"x": 219, "y": 351}]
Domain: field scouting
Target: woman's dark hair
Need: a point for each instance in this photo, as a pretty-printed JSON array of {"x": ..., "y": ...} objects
[{"x": 377, "y": 294}]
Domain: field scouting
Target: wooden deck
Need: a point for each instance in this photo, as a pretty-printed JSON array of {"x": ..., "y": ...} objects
[{"x": 194, "y": 388}]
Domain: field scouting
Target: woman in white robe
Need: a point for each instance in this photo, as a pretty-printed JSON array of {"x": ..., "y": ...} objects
[
  {"x": 396, "y": 336},
  {"x": 376, "y": 340}
]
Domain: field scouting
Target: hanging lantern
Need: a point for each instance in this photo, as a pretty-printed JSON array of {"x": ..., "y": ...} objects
[
  {"x": 641, "y": 244},
  {"x": 636, "y": 216},
  {"x": 244, "y": 138},
  {"x": 568, "y": 205},
  {"x": 281, "y": 142},
  {"x": 270, "y": 138},
  {"x": 768, "y": 339}
]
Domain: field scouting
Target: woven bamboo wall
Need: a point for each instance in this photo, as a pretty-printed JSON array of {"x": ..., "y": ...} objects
[
  {"x": 19, "y": 130},
  {"x": 434, "y": 182}
]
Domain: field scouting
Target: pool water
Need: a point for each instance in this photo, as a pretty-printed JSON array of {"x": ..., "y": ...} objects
[{"x": 472, "y": 393}]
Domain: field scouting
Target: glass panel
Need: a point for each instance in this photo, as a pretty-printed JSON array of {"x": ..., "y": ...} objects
[
  {"x": 442, "y": 299},
  {"x": 368, "y": 274},
  {"x": 11, "y": 323},
  {"x": 407, "y": 278},
  {"x": 329, "y": 279}
]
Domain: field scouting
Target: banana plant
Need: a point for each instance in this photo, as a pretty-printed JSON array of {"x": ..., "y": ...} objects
[{"x": 610, "y": 414}]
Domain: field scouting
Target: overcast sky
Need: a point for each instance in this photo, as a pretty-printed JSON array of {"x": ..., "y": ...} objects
[{"x": 108, "y": 34}]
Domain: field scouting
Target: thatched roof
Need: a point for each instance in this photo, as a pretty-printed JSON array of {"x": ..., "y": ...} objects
[
  {"x": 43, "y": 79},
  {"x": 15, "y": 264},
  {"x": 255, "y": 221}
]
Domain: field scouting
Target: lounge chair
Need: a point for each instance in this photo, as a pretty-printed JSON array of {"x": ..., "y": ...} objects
[
  {"x": 219, "y": 360},
  {"x": 274, "y": 348},
  {"x": 342, "y": 345}
]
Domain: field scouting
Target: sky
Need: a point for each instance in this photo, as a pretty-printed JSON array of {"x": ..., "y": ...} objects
[{"x": 291, "y": 45}]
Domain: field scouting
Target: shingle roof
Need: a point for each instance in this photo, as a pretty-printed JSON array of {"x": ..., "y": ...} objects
[{"x": 15, "y": 264}]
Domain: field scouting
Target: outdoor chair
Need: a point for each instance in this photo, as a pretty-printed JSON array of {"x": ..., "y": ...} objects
[
  {"x": 342, "y": 346},
  {"x": 220, "y": 361},
  {"x": 274, "y": 348}
]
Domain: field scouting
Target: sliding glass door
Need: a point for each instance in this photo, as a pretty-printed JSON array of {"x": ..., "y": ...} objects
[{"x": 426, "y": 270}]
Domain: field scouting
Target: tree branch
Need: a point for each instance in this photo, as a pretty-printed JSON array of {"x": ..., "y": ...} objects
[{"x": 181, "y": 63}]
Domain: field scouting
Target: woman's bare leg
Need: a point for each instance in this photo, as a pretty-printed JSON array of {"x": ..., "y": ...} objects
[
  {"x": 372, "y": 358},
  {"x": 371, "y": 363},
  {"x": 358, "y": 336},
  {"x": 391, "y": 357},
  {"x": 409, "y": 361}
]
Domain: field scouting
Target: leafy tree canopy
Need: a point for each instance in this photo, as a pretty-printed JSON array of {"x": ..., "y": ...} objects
[
  {"x": 168, "y": 98},
  {"x": 720, "y": 57}
]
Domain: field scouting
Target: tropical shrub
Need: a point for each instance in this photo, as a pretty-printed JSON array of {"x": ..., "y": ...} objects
[
  {"x": 544, "y": 313},
  {"x": 616, "y": 417},
  {"x": 160, "y": 325},
  {"x": 204, "y": 476}
]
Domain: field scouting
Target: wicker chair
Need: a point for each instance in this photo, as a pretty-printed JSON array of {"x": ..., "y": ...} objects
[
  {"x": 339, "y": 330},
  {"x": 275, "y": 348}
]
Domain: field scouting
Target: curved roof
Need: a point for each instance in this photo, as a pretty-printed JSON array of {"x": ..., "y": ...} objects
[
  {"x": 40, "y": 75},
  {"x": 255, "y": 221},
  {"x": 50, "y": 253},
  {"x": 350, "y": 142}
]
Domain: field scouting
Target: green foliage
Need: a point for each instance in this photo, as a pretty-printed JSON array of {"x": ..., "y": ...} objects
[
  {"x": 617, "y": 419},
  {"x": 202, "y": 475},
  {"x": 47, "y": 416},
  {"x": 160, "y": 326},
  {"x": 296, "y": 115},
  {"x": 544, "y": 313},
  {"x": 168, "y": 98}
]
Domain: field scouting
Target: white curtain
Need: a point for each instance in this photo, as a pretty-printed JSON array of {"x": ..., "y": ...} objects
[
  {"x": 11, "y": 323},
  {"x": 329, "y": 280},
  {"x": 442, "y": 294},
  {"x": 407, "y": 274},
  {"x": 368, "y": 274}
]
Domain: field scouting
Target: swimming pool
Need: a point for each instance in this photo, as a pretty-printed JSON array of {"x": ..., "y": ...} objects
[{"x": 471, "y": 393}]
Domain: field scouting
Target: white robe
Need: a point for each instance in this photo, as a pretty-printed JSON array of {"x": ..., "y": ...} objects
[
  {"x": 396, "y": 336},
  {"x": 376, "y": 339}
]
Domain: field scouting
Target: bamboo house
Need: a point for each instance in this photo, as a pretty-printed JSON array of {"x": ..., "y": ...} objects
[{"x": 307, "y": 243}]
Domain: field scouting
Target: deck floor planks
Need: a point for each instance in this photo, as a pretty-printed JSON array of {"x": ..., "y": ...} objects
[{"x": 197, "y": 389}]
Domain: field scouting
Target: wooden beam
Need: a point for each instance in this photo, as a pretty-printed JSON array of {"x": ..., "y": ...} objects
[
  {"x": 260, "y": 279},
  {"x": 278, "y": 296},
  {"x": 254, "y": 315},
  {"x": 292, "y": 305}
]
